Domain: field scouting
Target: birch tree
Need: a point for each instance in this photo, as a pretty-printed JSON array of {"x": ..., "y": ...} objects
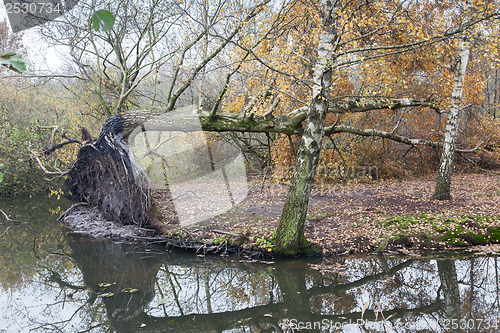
[
  {"x": 290, "y": 232},
  {"x": 443, "y": 181}
]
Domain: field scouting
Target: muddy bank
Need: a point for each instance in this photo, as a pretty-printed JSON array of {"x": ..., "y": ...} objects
[{"x": 90, "y": 222}]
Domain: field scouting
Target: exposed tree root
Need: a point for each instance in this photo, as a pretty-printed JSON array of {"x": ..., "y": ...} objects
[{"x": 106, "y": 175}]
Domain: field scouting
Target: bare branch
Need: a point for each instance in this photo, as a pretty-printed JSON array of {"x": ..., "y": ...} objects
[
  {"x": 34, "y": 155},
  {"x": 476, "y": 165},
  {"x": 475, "y": 149},
  {"x": 389, "y": 135},
  {"x": 54, "y": 147},
  {"x": 9, "y": 219},
  {"x": 380, "y": 104},
  {"x": 400, "y": 48},
  {"x": 287, "y": 124},
  {"x": 378, "y": 133},
  {"x": 254, "y": 12}
]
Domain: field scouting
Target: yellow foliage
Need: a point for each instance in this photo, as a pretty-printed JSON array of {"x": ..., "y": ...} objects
[
  {"x": 37, "y": 117},
  {"x": 427, "y": 71}
]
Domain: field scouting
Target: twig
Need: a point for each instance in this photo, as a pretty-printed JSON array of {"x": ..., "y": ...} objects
[
  {"x": 225, "y": 233},
  {"x": 473, "y": 150},
  {"x": 40, "y": 164},
  {"x": 397, "y": 124},
  {"x": 477, "y": 166},
  {"x": 6, "y": 229},
  {"x": 9, "y": 219},
  {"x": 52, "y": 148},
  {"x": 290, "y": 141}
]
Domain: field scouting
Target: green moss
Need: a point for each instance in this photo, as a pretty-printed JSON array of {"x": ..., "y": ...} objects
[
  {"x": 263, "y": 244},
  {"x": 402, "y": 221},
  {"x": 322, "y": 215},
  {"x": 222, "y": 240},
  {"x": 461, "y": 230},
  {"x": 306, "y": 248},
  {"x": 311, "y": 249}
]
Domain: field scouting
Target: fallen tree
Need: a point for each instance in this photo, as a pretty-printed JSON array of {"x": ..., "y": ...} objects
[{"x": 107, "y": 175}]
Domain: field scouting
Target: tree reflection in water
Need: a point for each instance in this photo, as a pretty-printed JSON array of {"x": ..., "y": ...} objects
[{"x": 154, "y": 291}]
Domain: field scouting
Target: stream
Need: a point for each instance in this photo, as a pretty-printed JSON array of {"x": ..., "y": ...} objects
[{"x": 53, "y": 281}]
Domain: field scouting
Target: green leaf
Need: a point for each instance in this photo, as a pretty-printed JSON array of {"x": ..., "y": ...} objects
[
  {"x": 105, "y": 17},
  {"x": 13, "y": 61},
  {"x": 110, "y": 294}
]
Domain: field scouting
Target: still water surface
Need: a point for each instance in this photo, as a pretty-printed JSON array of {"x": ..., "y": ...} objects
[{"x": 55, "y": 282}]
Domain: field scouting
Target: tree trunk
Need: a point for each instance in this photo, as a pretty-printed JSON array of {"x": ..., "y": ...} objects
[
  {"x": 289, "y": 236},
  {"x": 451, "y": 292},
  {"x": 106, "y": 174},
  {"x": 443, "y": 181}
]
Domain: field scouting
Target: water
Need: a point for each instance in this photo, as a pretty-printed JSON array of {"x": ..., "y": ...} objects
[{"x": 55, "y": 282}]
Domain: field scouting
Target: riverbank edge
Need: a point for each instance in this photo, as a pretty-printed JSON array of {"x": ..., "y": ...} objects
[
  {"x": 88, "y": 222},
  {"x": 456, "y": 236}
]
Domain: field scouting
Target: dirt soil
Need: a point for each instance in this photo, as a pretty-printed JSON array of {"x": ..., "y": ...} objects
[{"x": 353, "y": 218}]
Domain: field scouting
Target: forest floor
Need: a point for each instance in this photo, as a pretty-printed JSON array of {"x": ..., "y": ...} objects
[{"x": 378, "y": 216}]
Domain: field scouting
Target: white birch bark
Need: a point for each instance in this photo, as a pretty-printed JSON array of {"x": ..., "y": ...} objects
[
  {"x": 289, "y": 235},
  {"x": 443, "y": 181}
]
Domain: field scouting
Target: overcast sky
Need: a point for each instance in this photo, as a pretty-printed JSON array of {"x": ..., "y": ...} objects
[{"x": 40, "y": 56}]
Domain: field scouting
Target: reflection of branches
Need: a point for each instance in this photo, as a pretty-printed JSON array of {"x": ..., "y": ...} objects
[
  {"x": 230, "y": 319},
  {"x": 208, "y": 294},
  {"x": 256, "y": 315},
  {"x": 56, "y": 277},
  {"x": 209, "y": 322},
  {"x": 336, "y": 289},
  {"x": 372, "y": 315},
  {"x": 174, "y": 291},
  {"x": 60, "y": 325}
]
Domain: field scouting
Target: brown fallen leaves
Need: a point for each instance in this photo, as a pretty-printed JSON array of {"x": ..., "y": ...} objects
[{"x": 360, "y": 218}]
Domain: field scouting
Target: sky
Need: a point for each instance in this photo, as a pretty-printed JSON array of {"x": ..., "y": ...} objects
[{"x": 40, "y": 56}]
